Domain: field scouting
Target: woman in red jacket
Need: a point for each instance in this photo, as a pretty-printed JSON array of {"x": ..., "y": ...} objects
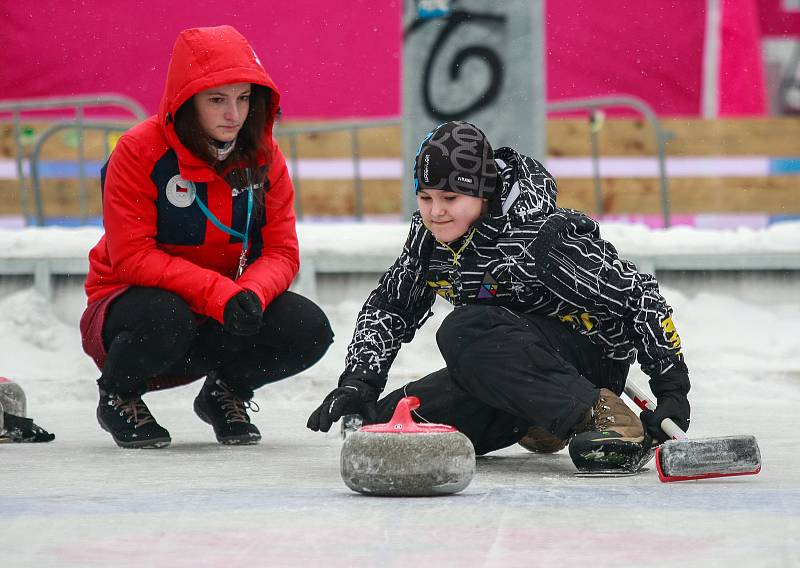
[{"x": 190, "y": 279}]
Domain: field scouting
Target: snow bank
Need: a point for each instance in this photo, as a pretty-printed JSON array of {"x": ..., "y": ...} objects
[{"x": 374, "y": 238}]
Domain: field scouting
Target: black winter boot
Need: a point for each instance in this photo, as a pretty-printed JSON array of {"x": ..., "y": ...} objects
[
  {"x": 226, "y": 411},
  {"x": 129, "y": 421}
]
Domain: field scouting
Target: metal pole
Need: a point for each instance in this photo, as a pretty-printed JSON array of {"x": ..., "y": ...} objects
[
  {"x": 359, "y": 196},
  {"x": 37, "y": 194},
  {"x": 103, "y": 100},
  {"x": 538, "y": 70},
  {"x": 661, "y": 139},
  {"x": 649, "y": 115},
  {"x": 709, "y": 101},
  {"x": 23, "y": 195},
  {"x": 84, "y": 209},
  {"x": 598, "y": 192},
  {"x": 106, "y": 145},
  {"x": 37, "y": 151},
  {"x": 298, "y": 201}
]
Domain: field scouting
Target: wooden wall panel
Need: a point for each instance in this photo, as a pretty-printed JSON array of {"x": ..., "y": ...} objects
[
  {"x": 778, "y": 137},
  {"x": 689, "y": 137},
  {"x": 778, "y": 195}
]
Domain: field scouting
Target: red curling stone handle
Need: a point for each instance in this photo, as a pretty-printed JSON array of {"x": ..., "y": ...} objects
[{"x": 403, "y": 423}]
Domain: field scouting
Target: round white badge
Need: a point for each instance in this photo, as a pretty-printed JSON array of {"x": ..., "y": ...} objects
[{"x": 180, "y": 192}]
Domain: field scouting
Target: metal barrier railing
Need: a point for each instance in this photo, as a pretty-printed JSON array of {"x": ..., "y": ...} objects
[
  {"x": 591, "y": 104},
  {"x": 76, "y": 104},
  {"x": 353, "y": 127},
  {"x": 624, "y": 101},
  {"x": 105, "y": 127}
]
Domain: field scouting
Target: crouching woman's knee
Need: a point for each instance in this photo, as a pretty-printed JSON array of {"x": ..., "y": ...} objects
[
  {"x": 300, "y": 323},
  {"x": 158, "y": 319},
  {"x": 173, "y": 321}
]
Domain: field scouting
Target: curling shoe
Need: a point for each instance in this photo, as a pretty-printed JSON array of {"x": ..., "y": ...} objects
[
  {"x": 611, "y": 414},
  {"x": 610, "y": 437},
  {"x": 226, "y": 411},
  {"x": 130, "y": 422}
]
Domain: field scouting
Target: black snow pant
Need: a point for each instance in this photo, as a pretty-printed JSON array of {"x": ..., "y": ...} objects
[
  {"x": 150, "y": 333},
  {"x": 508, "y": 371}
]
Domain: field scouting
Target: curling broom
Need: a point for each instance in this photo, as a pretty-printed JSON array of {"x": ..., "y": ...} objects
[{"x": 685, "y": 459}]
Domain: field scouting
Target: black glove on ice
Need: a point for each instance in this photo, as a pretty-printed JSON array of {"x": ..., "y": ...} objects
[
  {"x": 243, "y": 314},
  {"x": 351, "y": 397},
  {"x": 672, "y": 405},
  {"x": 20, "y": 429}
]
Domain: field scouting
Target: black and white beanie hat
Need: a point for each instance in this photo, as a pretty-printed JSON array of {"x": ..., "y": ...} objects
[{"x": 456, "y": 156}]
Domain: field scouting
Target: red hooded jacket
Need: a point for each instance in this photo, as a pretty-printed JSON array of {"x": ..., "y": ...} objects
[{"x": 156, "y": 235}]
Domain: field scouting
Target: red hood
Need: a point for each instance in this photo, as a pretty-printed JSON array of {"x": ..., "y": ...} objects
[{"x": 203, "y": 58}]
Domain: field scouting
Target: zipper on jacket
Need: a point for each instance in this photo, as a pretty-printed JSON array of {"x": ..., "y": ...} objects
[
  {"x": 457, "y": 254},
  {"x": 455, "y": 281}
]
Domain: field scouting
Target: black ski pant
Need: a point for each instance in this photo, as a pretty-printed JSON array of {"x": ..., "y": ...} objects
[
  {"x": 507, "y": 371},
  {"x": 150, "y": 332}
]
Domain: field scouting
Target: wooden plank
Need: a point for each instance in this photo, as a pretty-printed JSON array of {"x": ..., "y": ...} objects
[
  {"x": 566, "y": 137},
  {"x": 337, "y": 197},
  {"x": 10, "y": 200},
  {"x": 60, "y": 197},
  {"x": 689, "y": 137},
  {"x": 319, "y": 197},
  {"x": 777, "y": 195},
  {"x": 374, "y": 142},
  {"x": 773, "y": 195},
  {"x": 743, "y": 136},
  {"x": 618, "y": 137}
]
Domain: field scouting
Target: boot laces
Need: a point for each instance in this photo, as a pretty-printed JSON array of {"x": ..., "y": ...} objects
[
  {"x": 135, "y": 410},
  {"x": 603, "y": 417},
  {"x": 234, "y": 406}
]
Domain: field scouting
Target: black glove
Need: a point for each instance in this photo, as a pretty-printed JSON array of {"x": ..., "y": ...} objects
[
  {"x": 351, "y": 397},
  {"x": 20, "y": 429},
  {"x": 672, "y": 405},
  {"x": 243, "y": 314}
]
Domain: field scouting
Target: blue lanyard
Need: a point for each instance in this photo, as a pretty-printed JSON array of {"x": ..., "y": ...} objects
[{"x": 218, "y": 224}]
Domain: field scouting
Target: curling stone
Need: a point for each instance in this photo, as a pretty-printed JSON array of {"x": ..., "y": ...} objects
[
  {"x": 12, "y": 400},
  {"x": 407, "y": 459},
  {"x": 12, "y": 397}
]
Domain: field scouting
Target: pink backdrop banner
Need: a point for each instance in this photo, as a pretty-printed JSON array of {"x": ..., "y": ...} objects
[
  {"x": 648, "y": 48},
  {"x": 741, "y": 71},
  {"x": 342, "y": 59},
  {"x": 329, "y": 59},
  {"x": 775, "y": 20}
]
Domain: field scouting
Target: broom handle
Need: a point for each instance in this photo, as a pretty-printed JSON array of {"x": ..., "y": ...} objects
[{"x": 640, "y": 398}]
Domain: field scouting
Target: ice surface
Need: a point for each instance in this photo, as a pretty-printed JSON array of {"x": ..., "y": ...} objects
[{"x": 81, "y": 501}]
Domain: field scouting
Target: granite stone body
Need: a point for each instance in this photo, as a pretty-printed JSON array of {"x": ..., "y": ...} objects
[
  {"x": 12, "y": 397},
  {"x": 407, "y": 465}
]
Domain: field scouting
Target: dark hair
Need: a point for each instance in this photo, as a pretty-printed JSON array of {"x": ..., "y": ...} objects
[{"x": 241, "y": 167}]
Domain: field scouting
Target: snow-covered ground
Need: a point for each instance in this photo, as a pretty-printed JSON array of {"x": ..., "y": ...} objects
[
  {"x": 81, "y": 501},
  {"x": 388, "y": 238}
]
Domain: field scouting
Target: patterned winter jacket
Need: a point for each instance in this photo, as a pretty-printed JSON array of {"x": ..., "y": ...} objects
[{"x": 529, "y": 256}]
